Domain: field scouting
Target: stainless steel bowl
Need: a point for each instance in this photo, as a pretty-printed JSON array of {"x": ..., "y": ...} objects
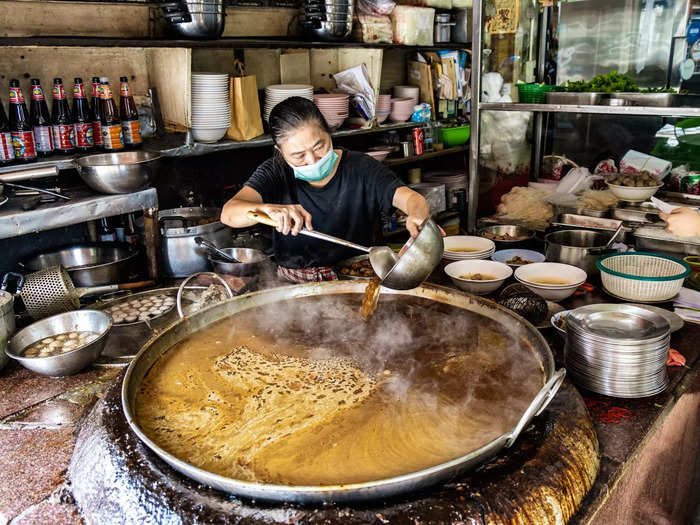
[
  {"x": 70, "y": 362},
  {"x": 203, "y": 25},
  {"x": 122, "y": 172},
  {"x": 255, "y": 260},
  {"x": 330, "y": 30},
  {"x": 91, "y": 264},
  {"x": 510, "y": 229}
]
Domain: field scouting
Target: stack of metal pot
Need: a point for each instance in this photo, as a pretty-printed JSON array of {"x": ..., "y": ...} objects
[{"x": 196, "y": 18}]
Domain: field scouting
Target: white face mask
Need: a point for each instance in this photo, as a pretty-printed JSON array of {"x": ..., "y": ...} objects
[{"x": 319, "y": 170}]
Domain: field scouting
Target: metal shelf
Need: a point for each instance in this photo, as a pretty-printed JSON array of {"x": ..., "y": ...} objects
[
  {"x": 426, "y": 156},
  {"x": 176, "y": 145},
  {"x": 83, "y": 206},
  {"x": 601, "y": 110},
  {"x": 221, "y": 43}
]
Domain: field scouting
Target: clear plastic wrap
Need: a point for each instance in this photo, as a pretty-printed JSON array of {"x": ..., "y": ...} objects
[
  {"x": 413, "y": 26},
  {"x": 373, "y": 29},
  {"x": 375, "y": 7}
]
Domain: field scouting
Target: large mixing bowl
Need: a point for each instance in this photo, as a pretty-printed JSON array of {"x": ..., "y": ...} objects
[
  {"x": 529, "y": 343},
  {"x": 122, "y": 172}
]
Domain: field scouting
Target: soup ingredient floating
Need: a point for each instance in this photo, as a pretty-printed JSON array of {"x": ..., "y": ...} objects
[
  {"x": 59, "y": 344},
  {"x": 141, "y": 309}
]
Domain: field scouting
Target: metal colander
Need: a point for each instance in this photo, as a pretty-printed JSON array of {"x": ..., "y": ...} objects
[{"x": 48, "y": 292}]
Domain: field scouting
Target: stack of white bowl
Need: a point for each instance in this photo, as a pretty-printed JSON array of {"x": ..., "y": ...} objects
[
  {"x": 618, "y": 350},
  {"x": 412, "y": 92},
  {"x": 550, "y": 280},
  {"x": 279, "y": 92},
  {"x": 401, "y": 109},
  {"x": 334, "y": 108},
  {"x": 383, "y": 108},
  {"x": 211, "y": 110},
  {"x": 467, "y": 247}
]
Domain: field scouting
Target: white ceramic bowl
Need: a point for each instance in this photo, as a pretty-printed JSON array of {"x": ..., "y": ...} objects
[
  {"x": 466, "y": 244},
  {"x": 529, "y": 255},
  {"x": 499, "y": 271},
  {"x": 531, "y": 274},
  {"x": 633, "y": 193},
  {"x": 208, "y": 135}
]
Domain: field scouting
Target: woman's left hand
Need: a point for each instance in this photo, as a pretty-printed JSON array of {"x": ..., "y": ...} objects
[{"x": 682, "y": 222}]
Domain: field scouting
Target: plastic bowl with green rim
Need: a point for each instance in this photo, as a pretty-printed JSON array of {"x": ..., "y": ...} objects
[
  {"x": 642, "y": 276},
  {"x": 694, "y": 262}
]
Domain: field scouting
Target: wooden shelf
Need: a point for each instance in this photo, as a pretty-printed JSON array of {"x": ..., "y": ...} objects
[
  {"x": 221, "y": 43},
  {"x": 427, "y": 156}
]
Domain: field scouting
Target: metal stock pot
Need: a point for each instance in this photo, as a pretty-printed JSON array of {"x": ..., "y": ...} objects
[
  {"x": 178, "y": 228},
  {"x": 581, "y": 248},
  {"x": 157, "y": 347}
]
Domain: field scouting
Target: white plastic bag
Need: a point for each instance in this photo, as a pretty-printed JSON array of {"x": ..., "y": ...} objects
[
  {"x": 375, "y": 7},
  {"x": 413, "y": 26}
]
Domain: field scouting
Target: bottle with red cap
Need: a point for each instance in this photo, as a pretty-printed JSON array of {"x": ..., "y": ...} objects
[
  {"x": 131, "y": 128},
  {"x": 7, "y": 152},
  {"x": 20, "y": 127},
  {"x": 40, "y": 120},
  {"x": 96, "y": 109},
  {"x": 82, "y": 118},
  {"x": 112, "y": 139},
  {"x": 63, "y": 132}
]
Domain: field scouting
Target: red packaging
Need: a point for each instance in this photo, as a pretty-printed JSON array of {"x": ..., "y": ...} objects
[
  {"x": 418, "y": 140},
  {"x": 7, "y": 151},
  {"x": 84, "y": 135},
  {"x": 63, "y": 137},
  {"x": 23, "y": 143}
]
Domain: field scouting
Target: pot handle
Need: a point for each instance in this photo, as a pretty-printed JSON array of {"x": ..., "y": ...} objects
[
  {"x": 6, "y": 279},
  {"x": 161, "y": 220},
  {"x": 188, "y": 279},
  {"x": 542, "y": 399}
]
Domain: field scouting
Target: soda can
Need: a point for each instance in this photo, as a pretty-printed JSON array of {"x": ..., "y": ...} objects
[
  {"x": 691, "y": 184},
  {"x": 418, "y": 141}
]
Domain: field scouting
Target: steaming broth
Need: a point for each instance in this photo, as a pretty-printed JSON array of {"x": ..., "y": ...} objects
[{"x": 304, "y": 392}]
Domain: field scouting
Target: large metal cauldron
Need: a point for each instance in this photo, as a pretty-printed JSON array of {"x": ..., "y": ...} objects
[{"x": 383, "y": 488}]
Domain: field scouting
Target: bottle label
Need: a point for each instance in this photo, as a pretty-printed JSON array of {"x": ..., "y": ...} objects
[
  {"x": 43, "y": 138},
  {"x": 131, "y": 130},
  {"x": 78, "y": 91},
  {"x": 7, "y": 150},
  {"x": 37, "y": 93},
  {"x": 58, "y": 92},
  {"x": 96, "y": 90},
  {"x": 125, "y": 90},
  {"x": 97, "y": 132},
  {"x": 16, "y": 96},
  {"x": 105, "y": 91},
  {"x": 84, "y": 135},
  {"x": 23, "y": 143},
  {"x": 63, "y": 137},
  {"x": 112, "y": 138}
]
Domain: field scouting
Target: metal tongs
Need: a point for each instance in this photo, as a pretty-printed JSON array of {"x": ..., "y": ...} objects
[{"x": 420, "y": 257}]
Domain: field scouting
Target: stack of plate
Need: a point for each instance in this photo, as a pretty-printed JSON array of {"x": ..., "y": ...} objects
[
  {"x": 211, "y": 110},
  {"x": 411, "y": 92},
  {"x": 618, "y": 350},
  {"x": 401, "y": 109},
  {"x": 279, "y": 92},
  {"x": 383, "y": 108},
  {"x": 334, "y": 108},
  {"x": 453, "y": 181},
  {"x": 467, "y": 247}
]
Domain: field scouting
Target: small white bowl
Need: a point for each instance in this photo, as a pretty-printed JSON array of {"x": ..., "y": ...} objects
[
  {"x": 555, "y": 318},
  {"x": 531, "y": 273},
  {"x": 529, "y": 255},
  {"x": 208, "y": 135},
  {"x": 633, "y": 193},
  {"x": 466, "y": 245},
  {"x": 500, "y": 271}
]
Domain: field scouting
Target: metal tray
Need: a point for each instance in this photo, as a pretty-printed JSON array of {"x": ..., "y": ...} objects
[
  {"x": 659, "y": 100},
  {"x": 579, "y": 99},
  {"x": 584, "y": 221},
  {"x": 650, "y": 238}
]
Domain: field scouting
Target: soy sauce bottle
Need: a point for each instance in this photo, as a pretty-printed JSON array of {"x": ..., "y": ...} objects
[
  {"x": 96, "y": 110},
  {"x": 82, "y": 118},
  {"x": 7, "y": 151},
  {"x": 20, "y": 127},
  {"x": 62, "y": 121},
  {"x": 40, "y": 120},
  {"x": 131, "y": 128}
]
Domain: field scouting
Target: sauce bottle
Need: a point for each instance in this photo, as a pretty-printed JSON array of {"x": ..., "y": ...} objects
[
  {"x": 131, "y": 128},
  {"x": 40, "y": 120},
  {"x": 7, "y": 151},
  {"x": 20, "y": 127},
  {"x": 82, "y": 118},
  {"x": 62, "y": 122},
  {"x": 96, "y": 111},
  {"x": 112, "y": 139}
]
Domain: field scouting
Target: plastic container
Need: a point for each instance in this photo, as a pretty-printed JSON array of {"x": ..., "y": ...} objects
[
  {"x": 453, "y": 137},
  {"x": 534, "y": 93},
  {"x": 642, "y": 276}
]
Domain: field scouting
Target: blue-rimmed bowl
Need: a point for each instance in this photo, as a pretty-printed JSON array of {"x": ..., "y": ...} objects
[
  {"x": 642, "y": 276},
  {"x": 503, "y": 256}
]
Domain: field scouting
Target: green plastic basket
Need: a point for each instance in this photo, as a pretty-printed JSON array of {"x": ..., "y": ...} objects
[{"x": 534, "y": 93}]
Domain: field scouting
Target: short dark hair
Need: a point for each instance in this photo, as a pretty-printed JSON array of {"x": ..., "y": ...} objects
[{"x": 293, "y": 113}]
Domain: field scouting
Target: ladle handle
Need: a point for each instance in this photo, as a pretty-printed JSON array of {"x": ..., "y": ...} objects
[
  {"x": 93, "y": 290},
  {"x": 542, "y": 399},
  {"x": 266, "y": 219}
]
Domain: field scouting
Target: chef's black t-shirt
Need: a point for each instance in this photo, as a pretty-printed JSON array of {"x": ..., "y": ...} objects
[{"x": 346, "y": 207}]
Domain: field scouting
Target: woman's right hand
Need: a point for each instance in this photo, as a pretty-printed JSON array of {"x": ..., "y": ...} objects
[{"x": 290, "y": 218}]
